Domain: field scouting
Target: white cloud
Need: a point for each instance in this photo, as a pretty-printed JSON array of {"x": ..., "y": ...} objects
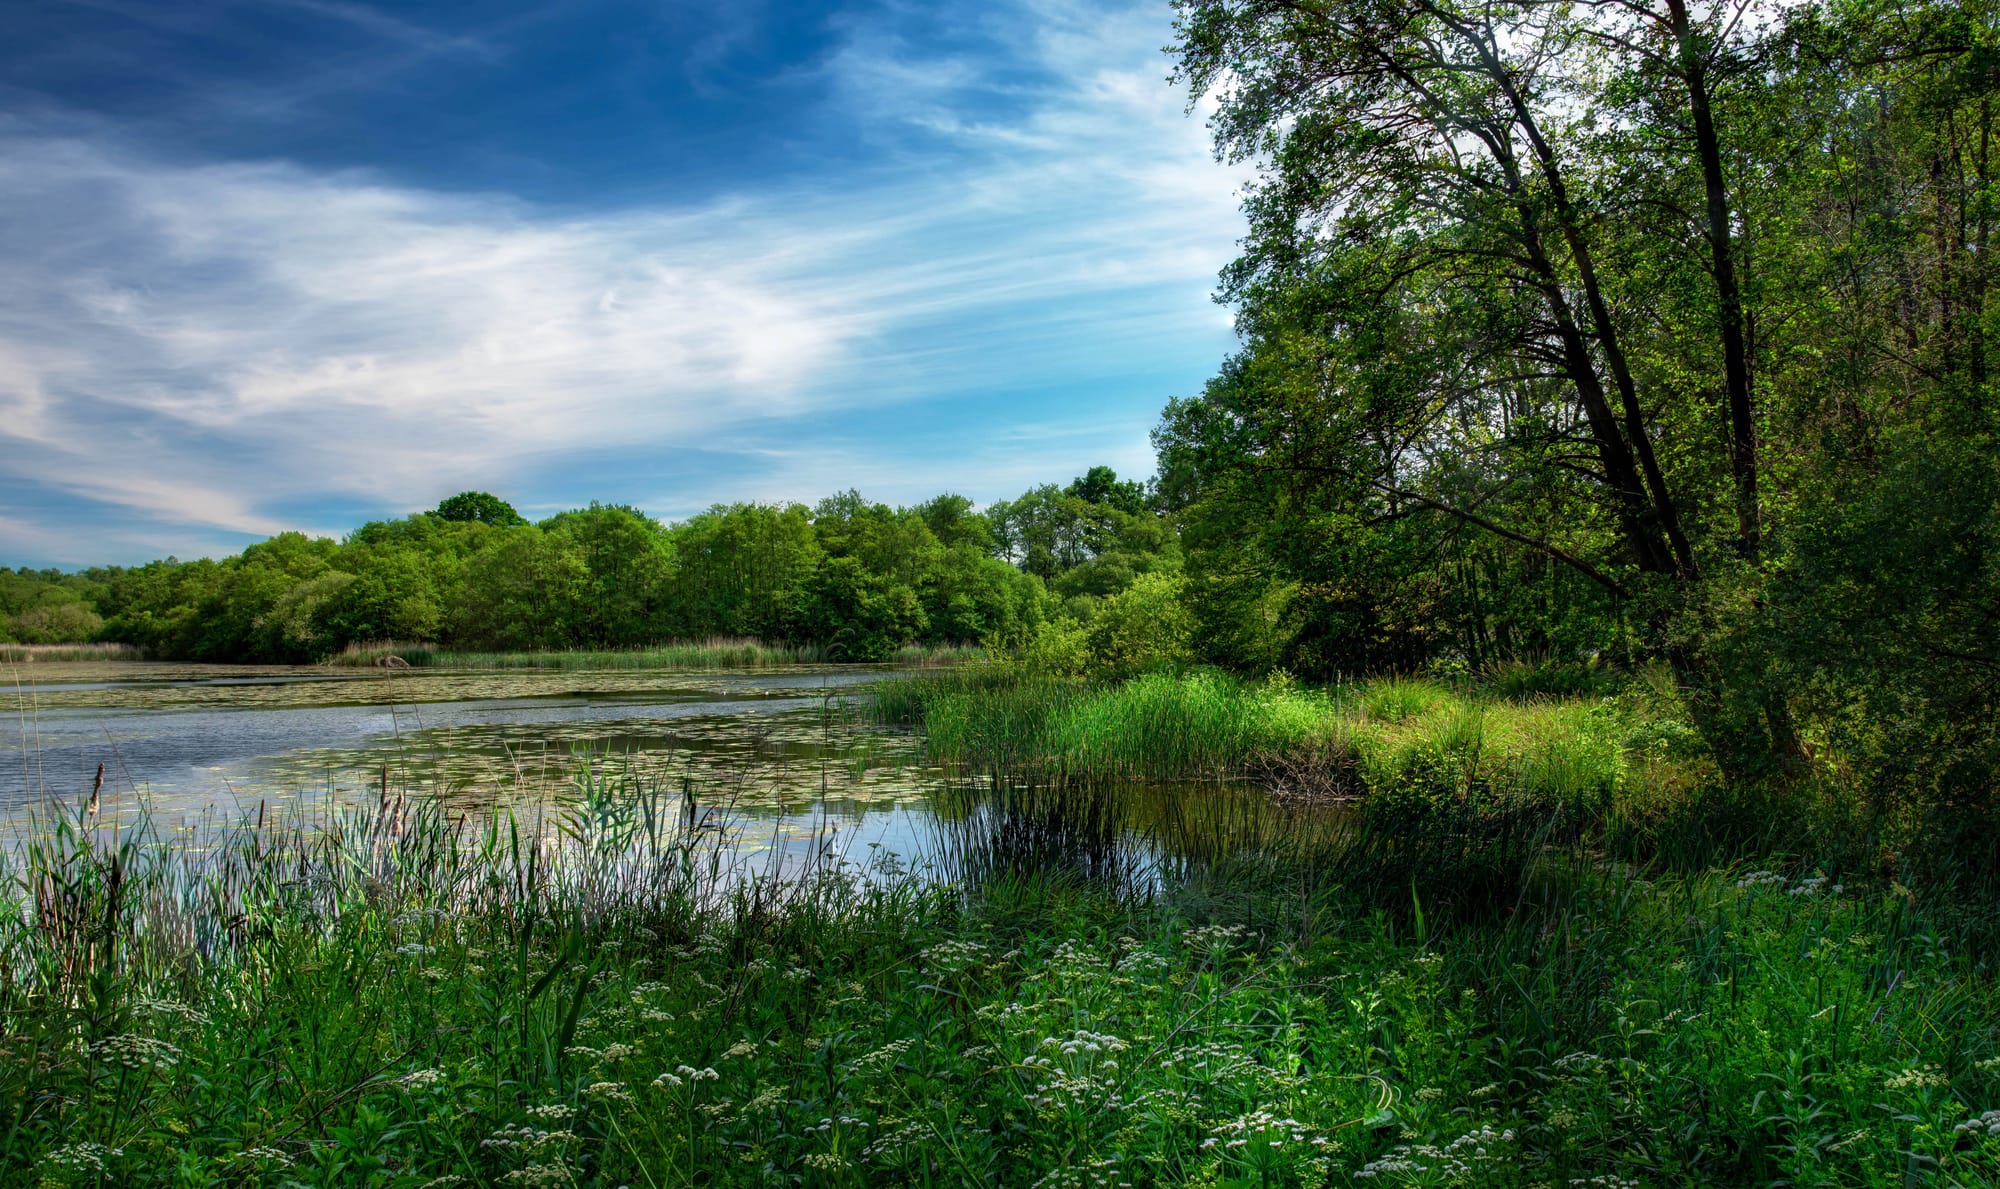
[{"x": 200, "y": 343}]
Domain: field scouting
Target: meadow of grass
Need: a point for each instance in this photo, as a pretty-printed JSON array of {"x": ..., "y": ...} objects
[
  {"x": 715, "y": 653},
  {"x": 1426, "y": 967},
  {"x": 400, "y": 999}
]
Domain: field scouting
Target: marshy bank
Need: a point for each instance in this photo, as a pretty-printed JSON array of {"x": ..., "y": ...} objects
[
  {"x": 1611, "y": 762},
  {"x": 1108, "y": 957},
  {"x": 401, "y": 999}
]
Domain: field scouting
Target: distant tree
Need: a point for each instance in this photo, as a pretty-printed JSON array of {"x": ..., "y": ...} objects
[
  {"x": 954, "y": 523},
  {"x": 481, "y": 507},
  {"x": 1101, "y": 485},
  {"x": 741, "y": 570},
  {"x": 630, "y": 557}
]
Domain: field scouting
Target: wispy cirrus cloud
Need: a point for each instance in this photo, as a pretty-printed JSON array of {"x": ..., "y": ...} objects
[{"x": 212, "y": 349}]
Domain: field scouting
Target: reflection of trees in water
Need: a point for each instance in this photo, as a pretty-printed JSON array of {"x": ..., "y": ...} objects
[{"x": 1125, "y": 838}]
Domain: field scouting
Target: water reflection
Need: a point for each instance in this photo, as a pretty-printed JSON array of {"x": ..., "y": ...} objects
[
  {"x": 775, "y": 767},
  {"x": 1125, "y": 837},
  {"x": 184, "y": 740}
]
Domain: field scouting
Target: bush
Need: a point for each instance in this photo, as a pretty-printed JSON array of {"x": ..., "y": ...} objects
[{"x": 59, "y": 623}]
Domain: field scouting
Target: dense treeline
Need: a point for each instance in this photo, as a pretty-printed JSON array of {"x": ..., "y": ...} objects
[{"x": 858, "y": 578}]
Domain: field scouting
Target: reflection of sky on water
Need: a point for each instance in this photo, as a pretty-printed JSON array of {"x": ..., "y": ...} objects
[
  {"x": 180, "y": 741},
  {"x": 769, "y": 759}
]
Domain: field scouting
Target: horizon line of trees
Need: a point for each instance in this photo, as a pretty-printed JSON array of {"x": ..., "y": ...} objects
[{"x": 859, "y": 578}]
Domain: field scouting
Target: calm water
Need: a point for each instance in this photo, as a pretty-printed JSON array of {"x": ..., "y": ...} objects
[{"x": 778, "y": 750}]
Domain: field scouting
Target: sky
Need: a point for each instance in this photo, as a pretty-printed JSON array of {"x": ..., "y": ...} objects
[{"x": 295, "y": 264}]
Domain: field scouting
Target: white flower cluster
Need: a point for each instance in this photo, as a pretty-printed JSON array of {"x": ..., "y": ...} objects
[
  {"x": 1165, "y": 1102},
  {"x": 1929, "y": 1077},
  {"x": 137, "y": 1052},
  {"x": 415, "y": 950},
  {"x": 554, "y": 1112},
  {"x": 1068, "y": 1067},
  {"x": 685, "y": 1073},
  {"x": 521, "y": 1138},
  {"x": 607, "y": 1092},
  {"x": 1144, "y": 965},
  {"x": 829, "y": 1123},
  {"x": 742, "y": 1048},
  {"x": 1084, "y": 1041},
  {"x": 887, "y": 1055},
  {"x": 1453, "y": 1160},
  {"x": 1214, "y": 1061},
  {"x": 1261, "y": 1127},
  {"x": 1604, "y": 1181},
  {"x": 167, "y": 1007},
  {"x": 950, "y": 957},
  {"x": 1986, "y": 1124},
  {"x": 420, "y": 1079},
  {"x": 542, "y": 1174},
  {"x": 265, "y": 1155},
  {"x": 828, "y": 1161},
  {"x": 895, "y": 1138},
  {"x": 1216, "y": 938},
  {"x": 1579, "y": 1063},
  {"x": 80, "y": 1158},
  {"x": 1810, "y": 886}
]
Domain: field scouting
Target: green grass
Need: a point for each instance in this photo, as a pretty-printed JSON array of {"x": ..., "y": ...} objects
[
  {"x": 719, "y": 653},
  {"x": 1205, "y": 725},
  {"x": 402, "y": 1001}
]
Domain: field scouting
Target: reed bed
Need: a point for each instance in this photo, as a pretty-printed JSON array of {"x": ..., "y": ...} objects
[
  {"x": 1343, "y": 741},
  {"x": 26, "y": 654},
  {"x": 602, "y": 996}
]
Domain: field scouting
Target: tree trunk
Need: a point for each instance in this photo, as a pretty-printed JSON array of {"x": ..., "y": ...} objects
[{"x": 1728, "y": 291}]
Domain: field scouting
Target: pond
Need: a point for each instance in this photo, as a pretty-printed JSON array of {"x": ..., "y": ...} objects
[{"x": 781, "y": 758}]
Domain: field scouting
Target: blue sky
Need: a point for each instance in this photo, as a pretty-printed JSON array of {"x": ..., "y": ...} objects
[{"x": 277, "y": 264}]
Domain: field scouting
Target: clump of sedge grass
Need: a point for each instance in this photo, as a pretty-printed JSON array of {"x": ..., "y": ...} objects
[{"x": 1209, "y": 725}]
